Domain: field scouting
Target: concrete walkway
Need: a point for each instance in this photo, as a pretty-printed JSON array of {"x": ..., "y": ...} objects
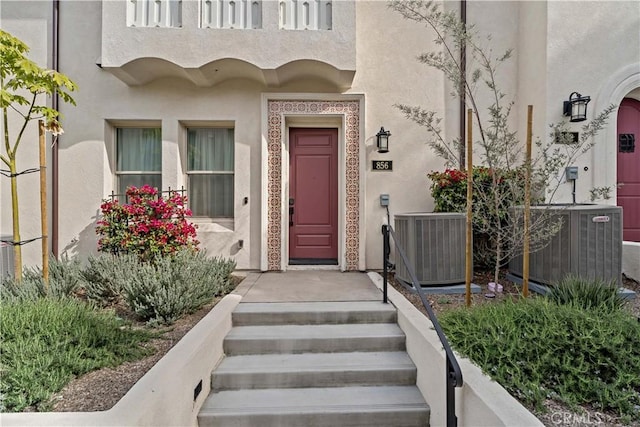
[{"x": 307, "y": 286}]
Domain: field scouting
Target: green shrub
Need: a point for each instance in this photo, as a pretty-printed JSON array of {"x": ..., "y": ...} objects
[
  {"x": 46, "y": 342},
  {"x": 163, "y": 290},
  {"x": 64, "y": 279},
  {"x": 587, "y": 294},
  {"x": 105, "y": 275},
  {"x": 538, "y": 350},
  {"x": 449, "y": 192}
]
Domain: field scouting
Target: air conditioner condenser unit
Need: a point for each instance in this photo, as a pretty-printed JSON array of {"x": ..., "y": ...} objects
[{"x": 589, "y": 245}]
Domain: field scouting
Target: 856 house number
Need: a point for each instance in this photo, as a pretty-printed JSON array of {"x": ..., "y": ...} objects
[{"x": 382, "y": 165}]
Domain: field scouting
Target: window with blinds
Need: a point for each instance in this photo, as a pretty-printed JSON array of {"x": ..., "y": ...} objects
[
  {"x": 138, "y": 158},
  {"x": 210, "y": 170}
]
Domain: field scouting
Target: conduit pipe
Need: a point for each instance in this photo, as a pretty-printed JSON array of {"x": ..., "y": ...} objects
[{"x": 462, "y": 97}]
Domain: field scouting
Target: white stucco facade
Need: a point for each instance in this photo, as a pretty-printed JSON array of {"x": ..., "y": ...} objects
[{"x": 175, "y": 78}]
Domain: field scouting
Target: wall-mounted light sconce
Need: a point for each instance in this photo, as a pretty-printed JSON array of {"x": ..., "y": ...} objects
[
  {"x": 382, "y": 140},
  {"x": 576, "y": 107}
]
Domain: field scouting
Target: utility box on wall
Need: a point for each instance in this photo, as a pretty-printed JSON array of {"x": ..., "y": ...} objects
[
  {"x": 589, "y": 244},
  {"x": 435, "y": 246},
  {"x": 6, "y": 257}
]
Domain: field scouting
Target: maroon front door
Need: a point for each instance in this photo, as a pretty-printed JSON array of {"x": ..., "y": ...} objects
[
  {"x": 629, "y": 167},
  {"x": 313, "y": 196}
]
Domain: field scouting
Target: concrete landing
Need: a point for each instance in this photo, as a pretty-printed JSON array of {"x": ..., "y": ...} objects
[
  {"x": 309, "y": 286},
  {"x": 313, "y": 313}
]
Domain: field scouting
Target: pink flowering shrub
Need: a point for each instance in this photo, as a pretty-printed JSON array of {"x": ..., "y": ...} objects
[{"x": 148, "y": 225}]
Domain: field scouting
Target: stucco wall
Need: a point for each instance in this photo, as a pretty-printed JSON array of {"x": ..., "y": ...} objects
[
  {"x": 389, "y": 73},
  {"x": 589, "y": 44},
  {"x": 532, "y": 67}
]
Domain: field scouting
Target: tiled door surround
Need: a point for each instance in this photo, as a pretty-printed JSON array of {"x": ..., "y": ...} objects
[{"x": 278, "y": 110}]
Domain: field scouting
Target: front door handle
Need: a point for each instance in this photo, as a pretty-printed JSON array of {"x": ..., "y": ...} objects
[{"x": 290, "y": 216}]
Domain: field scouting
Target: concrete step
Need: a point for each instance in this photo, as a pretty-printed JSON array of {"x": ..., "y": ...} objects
[
  {"x": 314, "y": 338},
  {"x": 345, "y": 406},
  {"x": 314, "y": 370},
  {"x": 313, "y": 313}
]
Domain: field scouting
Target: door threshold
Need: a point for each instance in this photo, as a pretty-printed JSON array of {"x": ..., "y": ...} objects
[
  {"x": 309, "y": 267},
  {"x": 313, "y": 261}
]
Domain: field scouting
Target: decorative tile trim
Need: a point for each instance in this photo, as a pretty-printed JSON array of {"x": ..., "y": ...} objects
[{"x": 277, "y": 110}]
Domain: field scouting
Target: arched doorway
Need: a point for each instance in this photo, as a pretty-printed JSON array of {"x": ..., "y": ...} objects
[{"x": 628, "y": 174}]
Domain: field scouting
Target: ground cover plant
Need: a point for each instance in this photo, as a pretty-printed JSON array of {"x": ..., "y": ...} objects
[
  {"x": 53, "y": 334},
  {"x": 48, "y": 341},
  {"x": 541, "y": 350},
  {"x": 587, "y": 294},
  {"x": 163, "y": 289}
]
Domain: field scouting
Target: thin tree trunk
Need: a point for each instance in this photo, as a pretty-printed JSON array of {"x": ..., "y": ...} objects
[
  {"x": 17, "y": 249},
  {"x": 496, "y": 271},
  {"x": 499, "y": 228}
]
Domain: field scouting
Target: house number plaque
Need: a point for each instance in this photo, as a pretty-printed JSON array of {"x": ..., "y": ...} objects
[{"x": 382, "y": 165}]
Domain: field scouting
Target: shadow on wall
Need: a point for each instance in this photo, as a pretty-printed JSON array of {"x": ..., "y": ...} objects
[
  {"x": 85, "y": 244},
  {"x": 631, "y": 260},
  {"x": 235, "y": 248}
]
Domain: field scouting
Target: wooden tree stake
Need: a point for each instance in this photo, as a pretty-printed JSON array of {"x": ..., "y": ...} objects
[
  {"x": 469, "y": 245},
  {"x": 43, "y": 205},
  {"x": 527, "y": 206}
]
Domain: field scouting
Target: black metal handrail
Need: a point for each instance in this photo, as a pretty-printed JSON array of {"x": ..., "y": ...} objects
[{"x": 454, "y": 374}]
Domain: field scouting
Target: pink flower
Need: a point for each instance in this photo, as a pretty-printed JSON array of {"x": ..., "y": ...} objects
[{"x": 147, "y": 224}]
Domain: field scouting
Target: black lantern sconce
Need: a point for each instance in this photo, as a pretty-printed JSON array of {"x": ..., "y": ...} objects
[
  {"x": 576, "y": 107},
  {"x": 382, "y": 140}
]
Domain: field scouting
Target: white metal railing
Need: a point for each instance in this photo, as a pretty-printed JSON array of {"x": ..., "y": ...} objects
[
  {"x": 154, "y": 13},
  {"x": 306, "y": 14},
  {"x": 236, "y": 14}
]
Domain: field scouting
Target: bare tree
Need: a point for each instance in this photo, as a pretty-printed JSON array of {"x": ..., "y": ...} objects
[{"x": 500, "y": 149}]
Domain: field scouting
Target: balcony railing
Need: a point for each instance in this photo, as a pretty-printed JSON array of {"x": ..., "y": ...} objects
[
  {"x": 306, "y": 14},
  {"x": 232, "y": 14},
  {"x": 211, "y": 41},
  {"x": 154, "y": 13}
]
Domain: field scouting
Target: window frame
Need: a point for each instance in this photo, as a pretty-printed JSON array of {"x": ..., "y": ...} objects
[
  {"x": 143, "y": 124},
  {"x": 226, "y": 221}
]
